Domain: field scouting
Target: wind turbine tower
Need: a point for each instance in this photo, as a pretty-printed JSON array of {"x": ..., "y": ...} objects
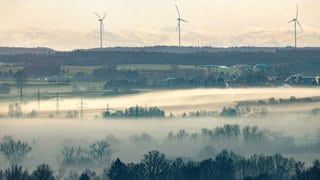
[
  {"x": 296, "y": 21},
  {"x": 179, "y": 19},
  {"x": 101, "y": 26}
]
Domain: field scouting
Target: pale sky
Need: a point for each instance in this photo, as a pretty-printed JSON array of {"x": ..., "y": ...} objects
[{"x": 71, "y": 24}]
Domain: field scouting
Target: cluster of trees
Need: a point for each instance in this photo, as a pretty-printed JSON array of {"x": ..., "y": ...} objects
[
  {"x": 253, "y": 111},
  {"x": 42, "y": 172},
  {"x": 42, "y": 70},
  {"x": 229, "y": 112},
  {"x": 248, "y": 137},
  {"x": 125, "y": 84},
  {"x": 201, "y": 113},
  {"x": 238, "y": 110},
  {"x": 226, "y": 131},
  {"x": 292, "y": 99},
  {"x": 98, "y": 152},
  {"x": 252, "y": 78},
  {"x": 199, "y": 81},
  {"x": 155, "y": 165},
  {"x": 140, "y": 112},
  {"x": 226, "y": 165},
  {"x": 14, "y": 110},
  {"x": 31, "y": 70},
  {"x": 180, "y": 78},
  {"x": 14, "y": 151},
  {"x": 135, "y": 112}
]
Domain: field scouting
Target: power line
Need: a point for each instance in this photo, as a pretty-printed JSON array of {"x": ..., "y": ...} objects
[
  {"x": 58, "y": 98},
  {"x": 82, "y": 106},
  {"x": 38, "y": 97}
]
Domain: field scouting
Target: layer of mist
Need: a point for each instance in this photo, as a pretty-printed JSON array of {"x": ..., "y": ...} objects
[
  {"x": 177, "y": 101},
  {"x": 130, "y": 138},
  {"x": 288, "y": 129}
]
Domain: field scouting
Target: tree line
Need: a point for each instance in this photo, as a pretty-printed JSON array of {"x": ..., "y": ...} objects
[
  {"x": 155, "y": 165},
  {"x": 284, "y": 58},
  {"x": 135, "y": 112}
]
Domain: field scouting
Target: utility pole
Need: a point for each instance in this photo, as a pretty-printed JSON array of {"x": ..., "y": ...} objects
[
  {"x": 21, "y": 95},
  {"x": 20, "y": 78},
  {"x": 108, "y": 107},
  {"x": 82, "y": 106},
  {"x": 37, "y": 95},
  {"x": 58, "y": 98}
]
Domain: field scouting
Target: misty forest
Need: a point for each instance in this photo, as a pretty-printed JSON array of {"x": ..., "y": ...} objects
[{"x": 151, "y": 109}]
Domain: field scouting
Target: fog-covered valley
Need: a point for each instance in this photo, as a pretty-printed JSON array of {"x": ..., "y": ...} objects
[{"x": 288, "y": 128}]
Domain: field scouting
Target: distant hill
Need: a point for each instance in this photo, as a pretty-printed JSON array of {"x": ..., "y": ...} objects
[
  {"x": 155, "y": 49},
  {"x": 182, "y": 50},
  {"x": 22, "y": 50},
  {"x": 191, "y": 49}
]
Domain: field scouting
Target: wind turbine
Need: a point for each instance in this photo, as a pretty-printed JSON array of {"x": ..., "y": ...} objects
[
  {"x": 295, "y": 21},
  {"x": 179, "y": 19},
  {"x": 101, "y": 26}
]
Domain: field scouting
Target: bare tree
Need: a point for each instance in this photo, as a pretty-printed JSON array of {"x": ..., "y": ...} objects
[
  {"x": 100, "y": 151},
  {"x": 156, "y": 165},
  {"x": 14, "y": 151},
  {"x": 73, "y": 154},
  {"x": 14, "y": 110}
]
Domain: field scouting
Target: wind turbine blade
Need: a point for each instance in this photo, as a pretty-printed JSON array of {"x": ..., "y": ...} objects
[
  {"x": 97, "y": 15},
  {"x": 299, "y": 25},
  {"x": 297, "y": 12},
  {"x": 178, "y": 11},
  {"x": 183, "y": 20},
  {"x": 291, "y": 21},
  {"x": 105, "y": 13},
  {"x": 177, "y": 27}
]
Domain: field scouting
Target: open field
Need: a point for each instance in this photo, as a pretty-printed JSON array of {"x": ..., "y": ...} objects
[
  {"x": 154, "y": 66},
  {"x": 13, "y": 68},
  {"x": 72, "y": 70}
]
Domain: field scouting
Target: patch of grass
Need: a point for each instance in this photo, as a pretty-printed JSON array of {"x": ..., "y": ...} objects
[
  {"x": 72, "y": 70},
  {"x": 13, "y": 69},
  {"x": 138, "y": 67},
  {"x": 49, "y": 90}
]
